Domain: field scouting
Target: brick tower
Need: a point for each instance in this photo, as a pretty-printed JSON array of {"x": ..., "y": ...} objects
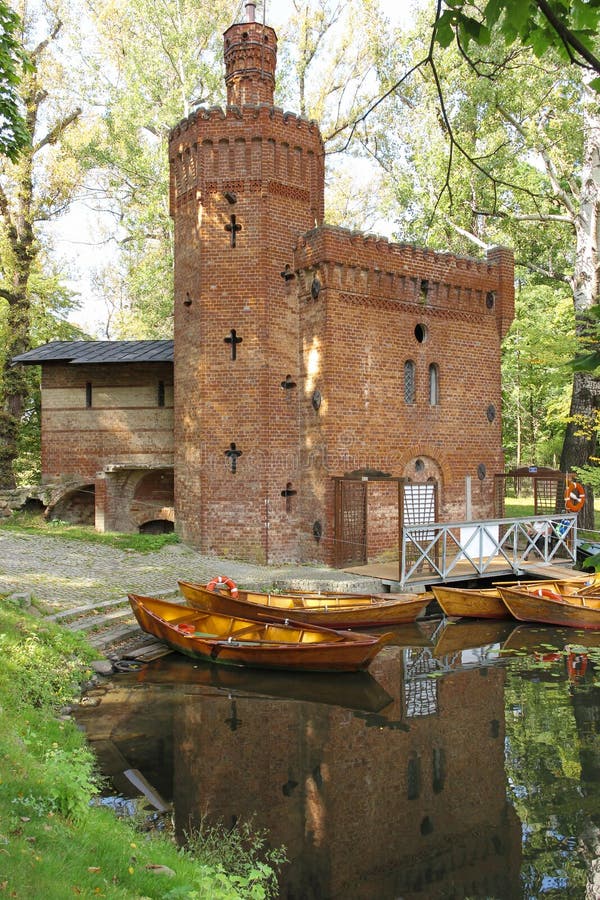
[{"x": 246, "y": 182}]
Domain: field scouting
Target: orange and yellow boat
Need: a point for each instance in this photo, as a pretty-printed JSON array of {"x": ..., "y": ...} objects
[
  {"x": 329, "y": 609},
  {"x": 235, "y": 641},
  {"x": 549, "y": 607},
  {"x": 487, "y": 603}
]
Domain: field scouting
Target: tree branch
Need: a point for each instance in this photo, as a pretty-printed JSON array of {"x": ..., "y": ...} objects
[
  {"x": 525, "y": 217},
  {"x": 37, "y": 51},
  {"x": 5, "y": 212},
  {"x": 467, "y": 234},
  {"x": 55, "y": 133},
  {"x": 566, "y": 35},
  {"x": 547, "y": 273},
  {"x": 553, "y": 175}
]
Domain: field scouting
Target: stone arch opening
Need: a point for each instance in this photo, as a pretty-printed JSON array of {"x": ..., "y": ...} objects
[
  {"x": 157, "y": 526},
  {"x": 34, "y": 506},
  {"x": 77, "y": 506}
]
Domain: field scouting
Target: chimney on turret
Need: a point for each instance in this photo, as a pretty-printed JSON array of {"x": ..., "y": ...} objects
[{"x": 250, "y": 61}]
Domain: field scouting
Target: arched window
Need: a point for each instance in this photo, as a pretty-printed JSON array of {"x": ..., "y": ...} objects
[
  {"x": 409, "y": 381},
  {"x": 434, "y": 384}
]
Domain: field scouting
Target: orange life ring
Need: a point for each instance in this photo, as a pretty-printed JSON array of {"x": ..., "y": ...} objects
[
  {"x": 551, "y": 595},
  {"x": 221, "y": 581},
  {"x": 185, "y": 628},
  {"x": 576, "y": 665},
  {"x": 574, "y": 496}
]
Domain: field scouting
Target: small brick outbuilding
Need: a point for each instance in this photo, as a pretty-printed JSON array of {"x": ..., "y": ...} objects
[{"x": 326, "y": 382}]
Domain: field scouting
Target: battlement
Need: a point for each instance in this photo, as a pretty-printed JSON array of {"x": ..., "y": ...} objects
[
  {"x": 246, "y": 149},
  {"x": 351, "y": 262},
  {"x": 247, "y": 113}
]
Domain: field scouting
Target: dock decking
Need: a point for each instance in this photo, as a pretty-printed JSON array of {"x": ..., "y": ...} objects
[{"x": 445, "y": 552}]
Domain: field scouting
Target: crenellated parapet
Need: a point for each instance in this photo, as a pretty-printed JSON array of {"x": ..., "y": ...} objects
[
  {"x": 371, "y": 269},
  {"x": 246, "y": 149}
]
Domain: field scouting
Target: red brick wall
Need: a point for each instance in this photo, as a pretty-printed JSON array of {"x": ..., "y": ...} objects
[
  {"x": 350, "y": 342},
  {"x": 124, "y": 425},
  {"x": 356, "y": 338},
  {"x": 273, "y": 165}
]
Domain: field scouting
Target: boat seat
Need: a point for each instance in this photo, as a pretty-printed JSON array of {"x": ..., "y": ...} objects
[{"x": 246, "y": 628}]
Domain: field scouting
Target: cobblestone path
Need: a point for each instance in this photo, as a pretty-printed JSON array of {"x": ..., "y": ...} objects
[{"x": 65, "y": 574}]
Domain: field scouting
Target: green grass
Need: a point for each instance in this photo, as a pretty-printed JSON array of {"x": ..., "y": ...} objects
[
  {"x": 518, "y": 507},
  {"x": 30, "y": 523},
  {"x": 53, "y": 842},
  {"x": 522, "y": 507}
]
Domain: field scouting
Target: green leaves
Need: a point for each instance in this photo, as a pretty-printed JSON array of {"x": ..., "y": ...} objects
[
  {"x": 569, "y": 28},
  {"x": 13, "y": 60},
  {"x": 453, "y": 22}
]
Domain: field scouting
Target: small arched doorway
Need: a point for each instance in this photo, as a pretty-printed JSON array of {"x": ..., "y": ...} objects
[
  {"x": 157, "y": 526},
  {"x": 76, "y": 506}
]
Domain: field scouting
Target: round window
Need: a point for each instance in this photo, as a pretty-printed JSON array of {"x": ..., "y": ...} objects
[{"x": 421, "y": 333}]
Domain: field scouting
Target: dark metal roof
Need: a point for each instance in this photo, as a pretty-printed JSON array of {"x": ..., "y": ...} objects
[{"x": 85, "y": 352}]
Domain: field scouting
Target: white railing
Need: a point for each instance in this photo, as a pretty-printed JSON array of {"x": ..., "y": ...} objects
[{"x": 438, "y": 551}]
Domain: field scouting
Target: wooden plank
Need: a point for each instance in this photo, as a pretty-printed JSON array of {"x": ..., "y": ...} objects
[
  {"x": 148, "y": 652},
  {"x": 549, "y": 570}
]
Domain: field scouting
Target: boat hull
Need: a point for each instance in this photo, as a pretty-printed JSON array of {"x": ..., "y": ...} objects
[
  {"x": 234, "y": 641},
  {"x": 473, "y": 604},
  {"x": 571, "y": 611},
  {"x": 487, "y": 603},
  {"x": 328, "y": 610}
]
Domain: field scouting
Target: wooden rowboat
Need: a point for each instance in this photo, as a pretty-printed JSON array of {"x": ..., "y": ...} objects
[
  {"x": 551, "y": 608},
  {"x": 330, "y": 610},
  {"x": 236, "y": 641},
  {"x": 487, "y": 603}
]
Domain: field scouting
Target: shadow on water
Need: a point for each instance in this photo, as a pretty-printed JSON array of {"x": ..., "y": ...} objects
[{"x": 466, "y": 763}]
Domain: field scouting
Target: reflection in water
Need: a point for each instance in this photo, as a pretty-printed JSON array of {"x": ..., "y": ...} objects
[{"x": 466, "y": 766}]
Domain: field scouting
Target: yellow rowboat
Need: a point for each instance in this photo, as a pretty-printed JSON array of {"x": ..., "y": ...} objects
[
  {"x": 330, "y": 610},
  {"x": 549, "y": 607},
  {"x": 487, "y": 603},
  {"x": 236, "y": 641}
]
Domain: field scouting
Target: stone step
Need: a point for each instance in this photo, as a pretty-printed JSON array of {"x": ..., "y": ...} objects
[
  {"x": 104, "y": 604},
  {"x": 90, "y": 622},
  {"x": 82, "y": 610},
  {"x": 106, "y": 639}
]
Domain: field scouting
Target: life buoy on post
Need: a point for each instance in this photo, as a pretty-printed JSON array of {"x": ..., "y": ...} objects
[
  {"x": 574, "y": 496},
  {"x": 221, "y": 581}
]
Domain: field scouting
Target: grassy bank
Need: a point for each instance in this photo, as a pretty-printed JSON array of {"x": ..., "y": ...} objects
[
  {"x": 35, "y": 523},
  {"x": 53, "y": 843}
]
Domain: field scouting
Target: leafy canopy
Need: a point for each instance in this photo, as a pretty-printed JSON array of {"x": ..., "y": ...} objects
[
  {"x": 569, "y": 27},
  {"x": 13, "y": 59}
]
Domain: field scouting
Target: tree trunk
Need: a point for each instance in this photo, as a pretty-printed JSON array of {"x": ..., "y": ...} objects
[
  {"x": 580, "y": 437},
  {"x": 23, "y": 251},
  {"x": 18, "y": 211}
]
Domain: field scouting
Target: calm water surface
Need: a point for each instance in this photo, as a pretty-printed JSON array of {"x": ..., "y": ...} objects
[{"x": 465, "y": 764}]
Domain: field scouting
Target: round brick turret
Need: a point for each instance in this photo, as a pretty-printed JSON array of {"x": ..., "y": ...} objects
[{"x": 250, "y": 61}]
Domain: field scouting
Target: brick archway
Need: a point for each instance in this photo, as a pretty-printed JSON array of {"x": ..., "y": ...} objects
[
  {"x": 73, "y": 504},
  {"x": 153, "y": 498}
]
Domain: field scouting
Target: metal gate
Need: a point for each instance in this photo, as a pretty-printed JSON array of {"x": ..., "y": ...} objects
[
  {"x": 420, "y": 508},
  {"x": 350, "y": 523}
]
